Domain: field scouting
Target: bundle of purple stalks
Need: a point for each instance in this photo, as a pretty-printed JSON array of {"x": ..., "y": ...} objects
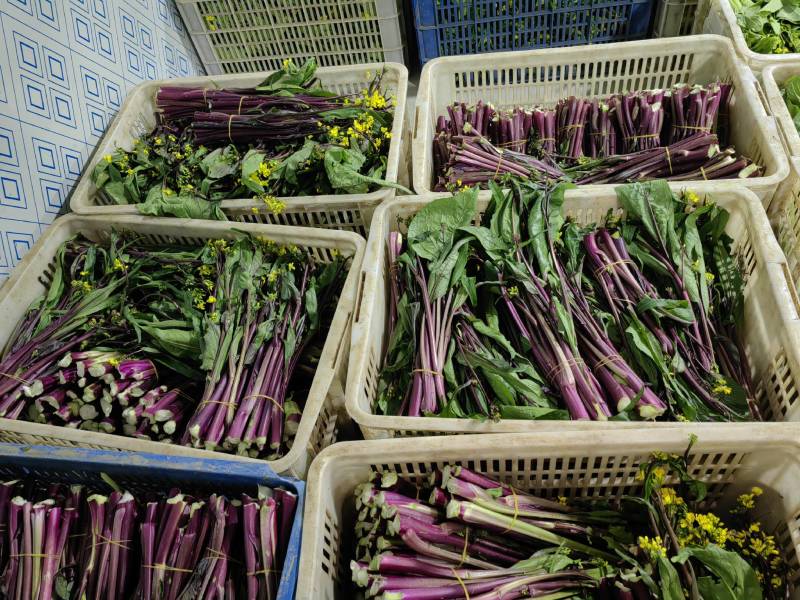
[
  {"x": 63, "y": 541},
  {"x": 678, "y": 134}
]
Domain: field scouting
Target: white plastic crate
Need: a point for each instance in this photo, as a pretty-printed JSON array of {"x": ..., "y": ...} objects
[
  {"x": 243, "y": 36},
  {"x": 784, "y": 214},
  {"x": 721, "y": 20},
  {"x": 542, "y": 77},
  {"x": 773, "y": 78},
  {"x": 771, "y": 332},
  {"x": 350, "y": 212},
  {"x": 675, "y": 18},
  {"x": 318, "y": 424},
  {"x": 730, "y": 459}
]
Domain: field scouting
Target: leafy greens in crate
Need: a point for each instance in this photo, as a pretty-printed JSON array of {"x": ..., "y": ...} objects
[
  {"x": 462, "y": 535},
  {"x": 286, "y": 137},
  {"x": 533, "y": 316},
  {"x": 791, "y": 95},
  {"x": 769, "y": 26},
  {"x": 196, "y": 345}
]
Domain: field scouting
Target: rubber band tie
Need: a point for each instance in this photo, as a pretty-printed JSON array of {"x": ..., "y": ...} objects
[
  {"x": 643, "y": 136},
  {"x": 34, "y": 555},
  {"x": 547, "y": 139},
  {"x": 230, "y": 120},
  {"x": 669, "y": 159},
  {"x": 427, "y": 372},
  {"x": 120, "y": 543},
  {"x": 607, "y": 360},
  {"x": 228, "y": 403},
  {"x": 262, "y": 572},
  {"x": 693, "y": 127},
  {"x": 464, "y": 549},
  {"x": 168, "y": 568},
  {"x": 213, "y": 552},
  {"x": 558, "y": 368},
  {"x": 499, "y": 164},
  {"x": 610, "y": 266},
  {"x": 703, "y": 171},
  {"x": 15, "y": 378},
  {"x": 462, "y": 584},
  {"x": 516, "y": 510},
  {"x": 570, "y": 127},
  {"x": 270, "y": 398},
  {"x": 241, "y": 99}
]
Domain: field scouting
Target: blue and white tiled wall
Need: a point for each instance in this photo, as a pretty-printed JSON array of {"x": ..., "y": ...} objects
[{"x": 65, "y": 68}]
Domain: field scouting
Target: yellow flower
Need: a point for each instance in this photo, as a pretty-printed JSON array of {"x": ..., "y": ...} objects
[
  {"x": 211, "y": 299},
  {"x": 158, "y": 141},
  {"x": 272, "y": 297},
  {"x": 200, "y": 304},
  {"x": 119, "y": 265},
  {"x": 652, "y": 546},
  {"x": 205, "y": 270},
  {"x": 177, "y": 155},
  {"x": 114, "y": 362},
  {"x": 84, "y": 273},
  {"x": 254, "y": 210},
  {"x": 211, "y": 22},
  {"x": 214, "y": 316},
  {"x": 513, "y": 291},
  {"x": 562, "y": 500},
  {"x": 108, "y": 158},
  {"x": 691, "y": 196},
  {"x": 209, "y": 285},
  {"x": 721, "y": 388},
  {"x": 287, "y": 62},
  {"x": 670, "y": 498},
  {"x": 172, "y": 138},
  {"x": 756, "y": 491},
  {"x": 264, "y": 170},
  {"x": 130, "y": 171},
  {"x": 290, "y": 266},
  {"x": 709, "y": 277},
  {"x": 167, "y": 192},
  {"x": 273, "y": 204},
  {"x": 659, "y": 473}
]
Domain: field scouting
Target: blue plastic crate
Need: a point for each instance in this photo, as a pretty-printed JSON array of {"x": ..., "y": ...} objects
[
  {"x": 139, "y": 472},
  {"x": 453, "y": 27}
]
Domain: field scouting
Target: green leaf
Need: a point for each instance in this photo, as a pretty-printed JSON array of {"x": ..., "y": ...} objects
[
  {"x": 343, "y": 166},
  {"x": 533, "y": 413},
  {"x": 734, "y": 579},
  {"x": 187, "y": 207},
  {"x": 431, "y": 232},
  {"x": 669, "y": 580},
  {"x": 665, "y": 308},
  {"x": 116, "y": 191},
  {"x": 183, "y": 343}
]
